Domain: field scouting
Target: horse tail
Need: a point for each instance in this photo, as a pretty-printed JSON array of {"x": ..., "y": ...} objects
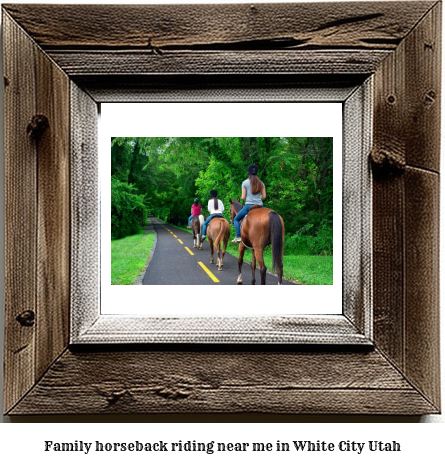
[
  {"x": 276, "y": 239},
  {"x": 201, "y": 223},
  {"x": 220, "y": 235}
]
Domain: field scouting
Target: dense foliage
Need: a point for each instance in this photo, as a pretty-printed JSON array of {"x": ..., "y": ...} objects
[
  {"x": 128, "y": 211},
  {"x": 167, "y": 173}
]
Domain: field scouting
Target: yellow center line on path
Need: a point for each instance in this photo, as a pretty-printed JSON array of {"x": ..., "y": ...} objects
[
  {"x": 189, "y": 251},
  {"x": 175, "y": 236},
  {"x": 212, "y": 276},
  {"x": 180, "y": 241}
]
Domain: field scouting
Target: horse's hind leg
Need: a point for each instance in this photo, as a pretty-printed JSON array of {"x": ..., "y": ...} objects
[
  {"x": 261, "y": 265},
  {"x": 211, "y": 250},
  {"x": 223, "y": 251},
  {"x": 218, "y": 256},
  {"x": 242, "y": 249},
  {"x": 199, "y": 234},
  {"x": 253, "y": 267}
]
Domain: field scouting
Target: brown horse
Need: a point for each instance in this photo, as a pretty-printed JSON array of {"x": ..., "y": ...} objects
[
  {"x": 196, "y": 225},
  {"x": 261, "y": 227},
  {"x": 218, "y": 233}
]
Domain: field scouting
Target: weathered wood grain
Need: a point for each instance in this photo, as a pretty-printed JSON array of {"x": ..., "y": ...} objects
[
  {"x": 85, "y": 207},
  {"x": 423, "y": 92},
  {"x": 388, "y": 201},
  {"x": 79, "y": 63},
  {"x": 223, "y": 382},
  {"x": 406, "y": 132},
  {"x": 112, "y": 329},
  {"x": 357, "y": 209},
  {"x": 421, "y": 212},
  {"x": 407, "y": 113},
  {"x": 274, "y": 26},
  {"x": 218, "y": 88},
  {"x": 20, "y": 213},
  {"x": 388, "y": 268},
  {"x": 53, "y": 225}
]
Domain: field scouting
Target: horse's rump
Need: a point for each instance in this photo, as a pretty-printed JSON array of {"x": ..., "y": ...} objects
[
  {"x": 256, "y": 215},
  {"x": 262, "y": 226},
  {"x": 218, "y": 229},
  {"x": 196, "y": 224}
]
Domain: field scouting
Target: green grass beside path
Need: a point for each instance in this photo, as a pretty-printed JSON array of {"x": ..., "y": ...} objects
[
  {"x": 304, "y": 269},
  {"x": 129, "y": 257}
]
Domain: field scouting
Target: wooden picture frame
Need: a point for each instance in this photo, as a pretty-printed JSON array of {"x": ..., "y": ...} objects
[{"x": 68, "y": 61}]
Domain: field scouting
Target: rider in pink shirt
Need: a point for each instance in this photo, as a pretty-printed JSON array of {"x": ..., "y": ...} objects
[{"x": 196, "y": 210}]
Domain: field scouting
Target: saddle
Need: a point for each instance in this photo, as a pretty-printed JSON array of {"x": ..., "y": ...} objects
[
  {"x": 254, "y": 207},
  {"x": 216, "y": 215}
]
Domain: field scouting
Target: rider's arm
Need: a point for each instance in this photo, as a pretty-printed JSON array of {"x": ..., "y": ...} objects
[
  {"x": 263, "y": 193},
  {"x": 243, "y": 193}
]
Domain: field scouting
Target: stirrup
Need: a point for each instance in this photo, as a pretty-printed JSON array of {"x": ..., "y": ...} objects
[{"x": 237, "y": 239}]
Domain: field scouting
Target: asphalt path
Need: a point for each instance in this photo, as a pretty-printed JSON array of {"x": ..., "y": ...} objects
[{"x": 175, "y": 261}]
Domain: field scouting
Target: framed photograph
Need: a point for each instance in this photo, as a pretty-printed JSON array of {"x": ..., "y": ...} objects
[{"x": 338, "y": 74}]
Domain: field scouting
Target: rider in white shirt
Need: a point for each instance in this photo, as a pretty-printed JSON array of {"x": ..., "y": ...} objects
[{"x": 216, "y": 207}]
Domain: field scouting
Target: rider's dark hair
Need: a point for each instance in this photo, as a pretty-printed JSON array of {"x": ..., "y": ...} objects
[
  {"x": 255, "y": 182},
  {"x": 196, "y": 202},
  {"x": 214, "y": 196}
]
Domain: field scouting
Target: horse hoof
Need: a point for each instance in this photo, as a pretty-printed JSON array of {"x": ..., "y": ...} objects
[{"x": 239, "y": 282}]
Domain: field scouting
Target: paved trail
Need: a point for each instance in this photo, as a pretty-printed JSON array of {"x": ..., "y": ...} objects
[{"x": 175, "y": 261}]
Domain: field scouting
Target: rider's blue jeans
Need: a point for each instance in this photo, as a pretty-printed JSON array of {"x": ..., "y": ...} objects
[
  {"x": 190, "y": 219},
  {"x": 241, "y": 214}
]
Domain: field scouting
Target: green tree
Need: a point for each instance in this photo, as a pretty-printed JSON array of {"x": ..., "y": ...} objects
[{"x": 169, "y": 172}]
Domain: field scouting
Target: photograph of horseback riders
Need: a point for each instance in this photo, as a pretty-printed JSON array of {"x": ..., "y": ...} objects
[{"x": 222, "y": 210}]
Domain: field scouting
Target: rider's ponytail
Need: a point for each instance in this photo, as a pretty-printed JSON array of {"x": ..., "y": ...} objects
[
  {"x": 214, "y": 195},
  {"x": 255, "y": 182}
]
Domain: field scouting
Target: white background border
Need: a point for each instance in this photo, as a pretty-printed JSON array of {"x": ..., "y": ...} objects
[{"x": 219, "y": 120}]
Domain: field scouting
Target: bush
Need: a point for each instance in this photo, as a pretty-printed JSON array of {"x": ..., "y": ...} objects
[
  {"x": 128, "y": 212},
  {"x": 302, "y": 243}
]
